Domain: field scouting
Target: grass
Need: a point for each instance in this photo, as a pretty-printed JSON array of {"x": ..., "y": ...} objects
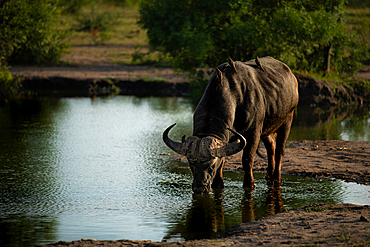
[
  {"x": 122, "y": 31},
  {"x": 317, "y": 209},
  {"x": 119, "y": 31}
]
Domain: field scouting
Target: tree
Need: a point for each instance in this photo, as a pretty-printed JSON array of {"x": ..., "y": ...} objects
[
  {"x": 28, "y": 31},
  {"x": 306, "y": 35}
]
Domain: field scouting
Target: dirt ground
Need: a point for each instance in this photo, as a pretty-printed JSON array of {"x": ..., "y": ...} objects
[
  {"x": 95, "y": 62},
  {"x": 322, "y": 225},
  {"x": 347, "y": 160}
]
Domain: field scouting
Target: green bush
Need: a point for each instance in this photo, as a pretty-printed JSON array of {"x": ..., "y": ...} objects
[
  {"x": 300, "y": 33},
  {"x": 29, "y": 31},
  {"x": 9, "y": 86}
]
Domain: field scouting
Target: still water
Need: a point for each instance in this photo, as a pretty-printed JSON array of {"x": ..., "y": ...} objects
[{"x": 92, "y": 168}]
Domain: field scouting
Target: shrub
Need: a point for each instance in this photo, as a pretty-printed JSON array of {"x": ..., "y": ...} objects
[
  {"x": 28, "y": 31},
  {"x": 307, "y": 35},
  {"x": 9, "y": 86}
]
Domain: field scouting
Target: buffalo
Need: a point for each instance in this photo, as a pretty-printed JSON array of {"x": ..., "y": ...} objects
[{"x": 243, "y": 103}]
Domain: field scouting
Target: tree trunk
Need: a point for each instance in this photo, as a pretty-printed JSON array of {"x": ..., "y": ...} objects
[{"x": 327, "y": 50}]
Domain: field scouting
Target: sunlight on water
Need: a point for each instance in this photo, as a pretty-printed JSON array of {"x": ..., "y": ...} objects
[{"x": 92, "y": 168}]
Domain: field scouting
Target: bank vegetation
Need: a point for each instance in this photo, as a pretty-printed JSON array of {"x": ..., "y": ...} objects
[{"x": 326, "y": 40}]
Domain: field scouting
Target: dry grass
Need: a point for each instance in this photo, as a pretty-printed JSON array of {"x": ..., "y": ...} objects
[{"x": 124, "y": 30}]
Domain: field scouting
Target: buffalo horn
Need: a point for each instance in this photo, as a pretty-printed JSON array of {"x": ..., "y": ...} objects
[
  {"x": 175, "y": 146},
  {"x": 232, "y": 148}
]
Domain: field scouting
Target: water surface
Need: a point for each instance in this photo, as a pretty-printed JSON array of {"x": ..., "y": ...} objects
[{"x": 91, "y": 168}]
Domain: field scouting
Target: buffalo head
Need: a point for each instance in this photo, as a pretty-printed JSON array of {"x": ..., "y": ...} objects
[{"x": 205, "y": 156}]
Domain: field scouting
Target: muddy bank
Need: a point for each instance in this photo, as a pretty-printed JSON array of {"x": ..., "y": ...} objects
[
  {"x": 149, "y": 81},
  {"x": 317, "y": 92},
  {"x": 67, "y": 87}
]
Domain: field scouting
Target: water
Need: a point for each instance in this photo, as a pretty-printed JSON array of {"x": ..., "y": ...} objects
[
  {"x": 347, "y": 123},
  {"x": 91, "y": 168}
]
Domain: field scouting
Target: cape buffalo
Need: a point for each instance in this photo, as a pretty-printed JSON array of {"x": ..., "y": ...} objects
[{"x": 242, "y": 103}]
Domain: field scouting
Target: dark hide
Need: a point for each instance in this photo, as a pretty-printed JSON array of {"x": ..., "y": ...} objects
[{"x": 257, "y": 103}]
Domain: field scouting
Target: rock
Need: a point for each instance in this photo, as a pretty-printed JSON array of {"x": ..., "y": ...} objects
[{"x": 362, "y": 218}]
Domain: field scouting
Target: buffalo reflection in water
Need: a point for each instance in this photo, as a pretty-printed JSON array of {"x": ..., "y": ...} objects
[{"x": 205, "y": 219}]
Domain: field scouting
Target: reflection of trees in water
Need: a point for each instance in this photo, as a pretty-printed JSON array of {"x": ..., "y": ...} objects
[
  {"x": 25, "y": 230},
  {"x": 28, "y": 184},
  {"x": 315, "y": 123}
]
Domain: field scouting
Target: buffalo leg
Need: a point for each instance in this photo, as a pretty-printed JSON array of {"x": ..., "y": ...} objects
[
  {"x": 269, "y": 142},
  {"x": 282, "y": 136},
  {"x": 248, "y": 159},
  {"x": 218, "y": 181}
]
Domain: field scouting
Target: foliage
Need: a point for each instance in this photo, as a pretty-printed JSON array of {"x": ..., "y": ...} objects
[
  {"x": 205, "y": 33},
  {"x": 149, "y": 58},
  {"x": 8, "y": 85},
  {"x": 28, "y": 31}
]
